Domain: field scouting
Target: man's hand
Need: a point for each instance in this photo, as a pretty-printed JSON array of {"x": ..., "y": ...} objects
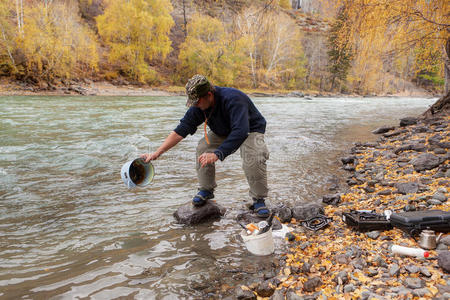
[
  {"x": 150, "y": 156},
  {"x": 207, "y": 158}
]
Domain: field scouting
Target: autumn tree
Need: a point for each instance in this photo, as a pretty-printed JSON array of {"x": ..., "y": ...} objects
[
  {"x": 54, "y": 43},
  {"x": 272, "y": 45},
  {"x": 8, "y": 34},
  {"x": 136, "y": 32},
  {"x": 208, "y": 50},
  {"x": 378, "y": 28}
]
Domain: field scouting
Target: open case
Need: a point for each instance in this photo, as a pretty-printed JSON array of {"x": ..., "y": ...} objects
[{"x": 366, "y": 220}]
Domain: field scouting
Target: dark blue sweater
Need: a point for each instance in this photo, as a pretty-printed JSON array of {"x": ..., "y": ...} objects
[{"x": 233, "y": 116}]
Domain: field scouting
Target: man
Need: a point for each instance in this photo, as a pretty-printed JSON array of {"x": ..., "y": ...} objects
[{"x": 235, "y": 123}]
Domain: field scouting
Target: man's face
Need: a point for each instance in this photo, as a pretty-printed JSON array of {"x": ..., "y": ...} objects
[{"x": 204, "y": 102}]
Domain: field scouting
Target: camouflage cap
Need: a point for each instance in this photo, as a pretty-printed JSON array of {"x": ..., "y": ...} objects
[{"x": 196, "y": 87}]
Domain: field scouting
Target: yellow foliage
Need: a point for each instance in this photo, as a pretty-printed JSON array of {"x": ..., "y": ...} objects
[
  {"x": 271, "y": 42},
  {"x": 286, "y": 4},
  {"x": 55, "y": 44},
  {"x": 208, "y": 51},
  {"x": 137, "y": 33},
  {"x": 379, "y": 28},
  {"x": 7, "y": 38}
]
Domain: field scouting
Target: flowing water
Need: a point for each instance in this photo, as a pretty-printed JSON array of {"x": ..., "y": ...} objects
[{"x": 70, "y": 228}]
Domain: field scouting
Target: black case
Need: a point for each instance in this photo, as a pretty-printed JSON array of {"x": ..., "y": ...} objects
[
  {"x": 413, "y": 222},
  {"x": 366, "y": 220}
]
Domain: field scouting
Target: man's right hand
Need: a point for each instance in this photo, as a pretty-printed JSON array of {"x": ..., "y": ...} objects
[{"x": 150, "y": 156}]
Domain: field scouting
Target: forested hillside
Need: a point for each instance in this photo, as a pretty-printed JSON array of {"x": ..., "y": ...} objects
[{"x": 274, "y": 44}]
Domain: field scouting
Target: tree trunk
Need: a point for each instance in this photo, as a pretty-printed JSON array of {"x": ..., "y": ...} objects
[
  {"x": 439, "y": 108},
  {"x": 184, "y": 19},
  {"x": 447, "y": 66}
]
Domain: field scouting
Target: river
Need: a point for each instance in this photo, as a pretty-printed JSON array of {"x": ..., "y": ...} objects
[{"x": 71, "y": 229}]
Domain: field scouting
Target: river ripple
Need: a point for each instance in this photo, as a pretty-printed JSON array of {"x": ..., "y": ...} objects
[{"x": 71, "y": 229}]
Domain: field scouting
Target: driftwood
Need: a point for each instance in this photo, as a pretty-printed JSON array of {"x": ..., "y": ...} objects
[{"x": 439, "y": 108}]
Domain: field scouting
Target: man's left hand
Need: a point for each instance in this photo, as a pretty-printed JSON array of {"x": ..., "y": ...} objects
[{"x": 207, "y": 158}]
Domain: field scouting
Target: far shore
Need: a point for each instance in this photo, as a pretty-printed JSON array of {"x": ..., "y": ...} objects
[{"x": 104, "y": 88}]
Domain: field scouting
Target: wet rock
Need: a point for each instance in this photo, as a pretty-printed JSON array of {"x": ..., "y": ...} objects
[
  {"x": 393, "y": 133},
  {"x": 348, "y": 159},
  {"x": 332, "y": 199},
  {"x": 351, "y": 182},
  {"x": 412, "y": 269},
  {"x": 311, "y": 284},
  {"x": 349, "y": 168},
  {"x": 444, "y": 260},
  {"x": 242, "y": 294},
  {"x": 383, "y": 129},
  {"x": 264, "y": 289},
  {"x": 333, "y": 183},
  {"x": 408, "y": 121},
  {"x": 407, "y": 187},
  {"x": 307, "y": 211},
  {"x": 285, "y": 214},
  {"x": 373, "y": 234},
  {"x": 425, "y": 161},
  {"x": 394, "y": 270},
  {"x": 190, "y": 215}
]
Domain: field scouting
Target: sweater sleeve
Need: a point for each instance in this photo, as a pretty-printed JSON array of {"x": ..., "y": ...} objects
[
  {"x": 189, "y": 123},
  {"x": 240, "y": 127}
]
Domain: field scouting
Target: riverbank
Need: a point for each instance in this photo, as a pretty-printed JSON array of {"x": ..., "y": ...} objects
[
  {"x": 119, "y": 88},
  {"x": 407, "y": 169}
]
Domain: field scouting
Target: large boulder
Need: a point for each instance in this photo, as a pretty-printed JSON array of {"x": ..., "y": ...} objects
[
  {"x": 426, "y": 161},
  {"x": 190, "y": 215}
]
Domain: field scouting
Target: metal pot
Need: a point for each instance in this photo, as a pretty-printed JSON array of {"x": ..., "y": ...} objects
[{"x": 428, "y": 240}]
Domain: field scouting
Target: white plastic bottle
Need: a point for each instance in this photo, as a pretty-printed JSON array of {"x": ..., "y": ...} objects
[{"x": 417, "y": 252}]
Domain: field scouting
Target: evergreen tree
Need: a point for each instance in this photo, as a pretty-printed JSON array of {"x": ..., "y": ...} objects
[{"x": 340, "y": 56}]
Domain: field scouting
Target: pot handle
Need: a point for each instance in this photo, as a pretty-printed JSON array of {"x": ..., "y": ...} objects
[{"x": 438, "y": 238}]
